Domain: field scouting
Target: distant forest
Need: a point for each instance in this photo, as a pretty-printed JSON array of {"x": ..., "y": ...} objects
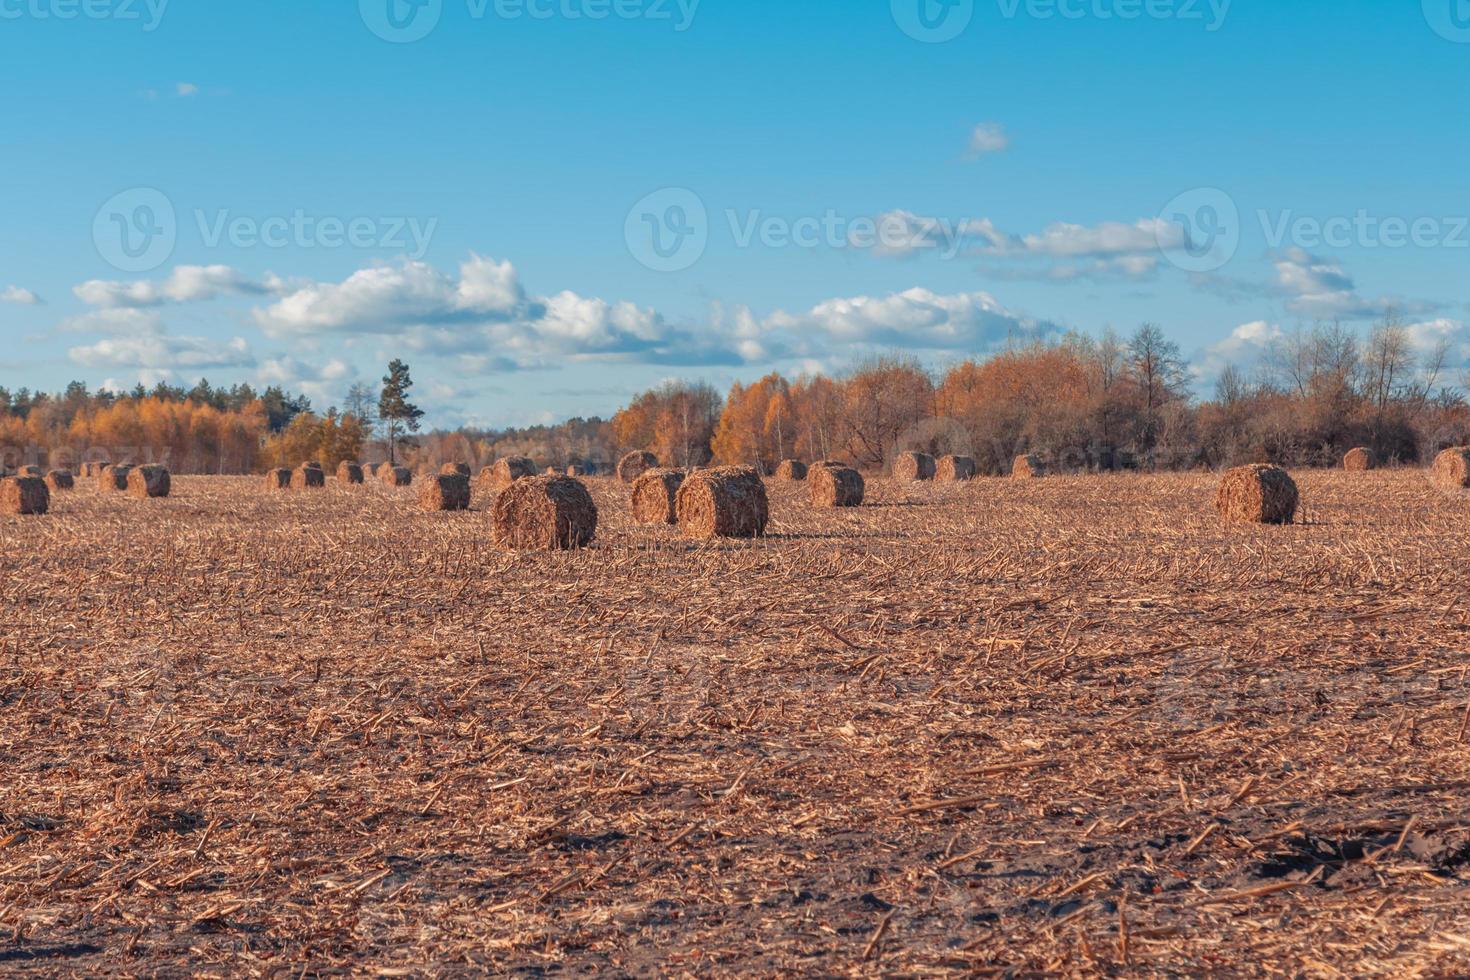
[{"x": 1082, "y": 403}]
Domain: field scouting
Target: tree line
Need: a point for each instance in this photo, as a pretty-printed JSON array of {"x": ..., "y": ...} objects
[{"x": 1084, "y": 403}]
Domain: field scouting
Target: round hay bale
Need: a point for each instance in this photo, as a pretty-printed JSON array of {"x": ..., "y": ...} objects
[
  {"x": 29, "y": 469},
  {"x": 308, "y": 477},
  {"x": 312, "y": 464},
  {"x": 955, "y": 469},
  {"x": 149, "y": 481},
  {"x": 791, "y": 469},
  {"x": 90, "y": 471},
  {"x": 1260, "y": 493},
  {"x": 451, "y": 469},
  {"x": 836, "y": 486},
  {"x": 913, "y": 467},
  {"x": 396, "y": 476},
  {"x": 1452, "y": 468},
  {"x": 574, "y": 471},
  {"x": 278, "y": 479},
  {"x": 508, "y": 470},
  {"x": 447, "y": 491},
  {"x": 1028, "y": 467},
  {"x": 58, "y": 480},
  {"x": 24, "y": 495},
  {"x": 653, "y": 496},
  {"x": 633, "y": 465},
  {"x": 371, "y": 469},
  {"x": 1359, "y": 460},
  {"x": 114, "y": 478},
  {"x": 544, "y": 513},
  {"x": 349, "y": 473},
  {"x": 724, "y": 502}
]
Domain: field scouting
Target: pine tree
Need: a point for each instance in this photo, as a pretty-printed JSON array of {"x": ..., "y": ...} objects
[{"x": 398, "y": 414}]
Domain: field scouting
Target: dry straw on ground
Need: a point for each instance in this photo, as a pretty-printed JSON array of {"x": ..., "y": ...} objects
[
  {"x": 506, "y": 471},
  {"x": 350, "y": 473},
  {"x": 913, "y": 467},
  {"x": 113, "y": 478},
  {"x": 723, "y": 502},
  {"x": 836, "y": 486},
  {"x": 1259, "y": 493},
  {"x": 396, "y": 476},
  {"x": 544, "y": 513},
  {"x": 1359, "y": 460},
  {"x": 24, "y": 495},
  {"x": 1028, "y": 467},
  {"x": 1452, "y": 468},
  {"x": 955, "y": 469},
  {"x": 1074, "y": 728},
  {"x": 149, "y": 481},
  {"x": 632, "y": 465},
  {"x": 446, "y": 491},
  {"x": 450, "y": 469},
  {"x": 652, "y": 496},
  {"x": 308, "y": 477},
  {"x": 791, "y": 469},
  {"x": 58, "y": 480}
]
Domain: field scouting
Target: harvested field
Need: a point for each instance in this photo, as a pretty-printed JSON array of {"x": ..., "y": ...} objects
[{"x": 1074, "y": 726}]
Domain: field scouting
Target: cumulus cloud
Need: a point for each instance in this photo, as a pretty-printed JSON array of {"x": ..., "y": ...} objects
[
  {"x": 160, "y": 356},
  {"x": 186, "y": 284},
  {"x": 988, "y": 137},
  {"x": 186, "y": 89},
  {"x": 914, "y": 319},
  {"x": 19, "y": 296},
  {"x": 1110, "y": 250},
  {"x": 1246, "y": 348},
  {"x": 1320, "y": 287},
  {"x": 389, "y": 298}
]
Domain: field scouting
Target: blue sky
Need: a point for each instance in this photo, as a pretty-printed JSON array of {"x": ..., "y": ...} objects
[{"x": 845, "y": 182}]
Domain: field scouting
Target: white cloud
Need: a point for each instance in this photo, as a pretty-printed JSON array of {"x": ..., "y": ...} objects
[
  {"x": 1246, "y": 347},
  {"x": 1320, "y": 287},
  {"x": 914, "y": 319},
  {"x": 119, "y": 320},
  {"x": 1109, "y": 250},
  {"x": 186, "y": 89},
  {"x": 162, "y": 356},
  {"x": 389, "y": 298},
  {"x": 1111, "y": 238},
  {"x": 186, "y": 284},
  {"x": 23, "y": 297},
  {"x": 988, "y": 137}
]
